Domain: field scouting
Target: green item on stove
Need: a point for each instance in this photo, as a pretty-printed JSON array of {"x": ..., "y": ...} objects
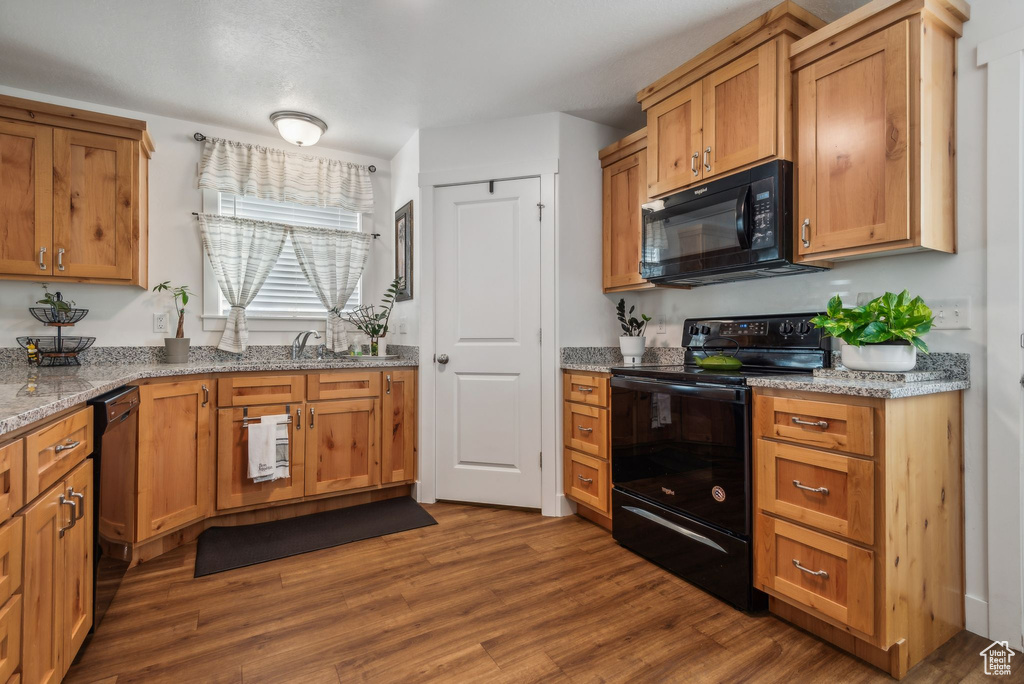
[{"x": 720, "y": 362}]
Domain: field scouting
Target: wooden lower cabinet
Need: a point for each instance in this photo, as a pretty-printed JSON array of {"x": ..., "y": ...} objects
[
  {"x": 175, "y": 460},
  {"x": 342, "y": 445},
  {"x": 861, "y": 542},
  {"x": 398, "y": 427},
  {"x": 234, "y": 487},
  {"x": 58, "y": 567},
  {"x": 586, "y": 438}
]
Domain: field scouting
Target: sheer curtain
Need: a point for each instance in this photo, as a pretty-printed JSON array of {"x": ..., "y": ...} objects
[
  {"x": 332, "y": 261},
  {"x": 242, "y": 253}
]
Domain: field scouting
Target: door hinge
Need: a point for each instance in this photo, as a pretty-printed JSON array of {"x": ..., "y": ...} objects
[
  {"x": 540, "y": 211},
  {"x": 541, "y": 460},
  {"x": 540, "y": 335}
]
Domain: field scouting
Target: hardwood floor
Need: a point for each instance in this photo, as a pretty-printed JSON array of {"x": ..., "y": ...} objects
[{"x": 487, "y": 595}]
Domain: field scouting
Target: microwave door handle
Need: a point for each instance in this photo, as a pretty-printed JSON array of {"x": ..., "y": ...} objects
[{"x": 743, "y": 218}]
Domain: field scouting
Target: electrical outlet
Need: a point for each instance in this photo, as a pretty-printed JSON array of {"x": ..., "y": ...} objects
[
  {"x": 661, "y": 325},
  {"x": 160, "y": 322},
  {"x": 951, "y": 314}
]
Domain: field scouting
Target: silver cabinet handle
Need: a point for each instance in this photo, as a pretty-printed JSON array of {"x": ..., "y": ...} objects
[
  {"x": 312, "y": 417},
  {"x": 584, "y": 429},
  {"x": 823, "y": 424},
  {"x": 585, "y": 390},
  {"x": 585, "y": 480},
  {"x": 387, "y": 376},
  {"x": 42, "y": 266},
  {"x": 816, "y": 490},
  {"x": 693, "y": 163},
  {"x": 707, "y": 159},
  {"x": 60, "y": 259},
  {"x": 298, "y": 419},
  {"x": 206, "y": 395},
  {"x": 674, "y": 527},
  {"x": 817, "y": 573},
  {"x": 74, "y": 514},
  {"x": 65, "y": 447},
  {"x": 80, "y": 505},
  {"x": 804, "y": 227},
  {"x": 442, "y": 359}
]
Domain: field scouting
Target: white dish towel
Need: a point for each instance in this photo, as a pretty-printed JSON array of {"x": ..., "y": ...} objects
[{"x": 268, "y": 449}]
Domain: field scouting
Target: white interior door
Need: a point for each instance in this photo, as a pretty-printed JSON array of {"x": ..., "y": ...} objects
[{"x": 487, "y": 326}]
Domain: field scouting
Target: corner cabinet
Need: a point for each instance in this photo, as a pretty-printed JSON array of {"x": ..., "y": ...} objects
[
  {"x": 726, "y": 109},
  {"x": 876, "y": 132},
  {"x": 73, "y": 195}
]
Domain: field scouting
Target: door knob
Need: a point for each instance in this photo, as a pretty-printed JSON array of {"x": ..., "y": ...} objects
[{"x": 442, "y": 359}]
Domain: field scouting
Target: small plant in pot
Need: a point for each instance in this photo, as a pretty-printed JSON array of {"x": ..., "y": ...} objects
[
  {"x": 883, "y": 335},
  {"x": 177, "y": 346},
  {"x": 632, "y": 341}
]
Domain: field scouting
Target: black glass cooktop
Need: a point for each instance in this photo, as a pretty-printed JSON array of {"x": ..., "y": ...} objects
[{"x": 693, "y": 373}]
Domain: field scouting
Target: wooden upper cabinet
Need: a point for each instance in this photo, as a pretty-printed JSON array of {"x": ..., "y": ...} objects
[
  {"x": 92, "y": 206},
  {"x": 675, "y": 141},
  {"x": 25, "y": 198},
  {"x": 740, "y": 112},
  {"x": 74, "y": 197},
  {"x": 876, "y": 133},
  {"x": 624, "y": 191}
]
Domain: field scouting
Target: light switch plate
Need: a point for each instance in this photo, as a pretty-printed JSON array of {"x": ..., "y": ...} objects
[
  {"x": 951, "y": 314},
  {"x": 160, "y": 322}
]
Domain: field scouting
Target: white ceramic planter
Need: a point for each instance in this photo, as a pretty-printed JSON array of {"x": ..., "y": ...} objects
[
  {"x": 382, "y": 347},
  {"x": 176, "y": 349},
  {"x": 880, "y": 357},
  {"x": 632, "y": 349}
]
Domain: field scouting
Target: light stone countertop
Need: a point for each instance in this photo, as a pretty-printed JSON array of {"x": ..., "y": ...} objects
[
  {"x": 880, "y": 389},
  {"x": 29, "y": 394}
]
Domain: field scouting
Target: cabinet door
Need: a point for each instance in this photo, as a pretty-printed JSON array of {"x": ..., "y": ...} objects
[
  {"x": 342, "y": 445},
  {"x": 175, "y": 460},
  {"x": 26, "y": 190},
  {"x": 43, "y": 588},
  {"x": 398, "y": 447},
  {"x": 740, "y": 111},
  {"x": 234, "y": 488},
  {"x": 853, "y": 158},
  {"x": 625, "y": 189},
  {"x": 77, "y": 563},
  {"x": 674, "y": 142},
  {"x": 92, "y": 206}
]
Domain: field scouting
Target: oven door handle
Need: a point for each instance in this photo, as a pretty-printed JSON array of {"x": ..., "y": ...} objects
[
  {"x": 744, "y": 220},
  {"x": 674, "y": 527},
  {"x": 737, "y": 396}
]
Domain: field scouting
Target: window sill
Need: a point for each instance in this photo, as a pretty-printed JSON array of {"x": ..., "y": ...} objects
[{"x": 216, "y": 322}]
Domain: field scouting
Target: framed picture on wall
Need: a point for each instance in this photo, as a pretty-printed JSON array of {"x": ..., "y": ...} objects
[{"x": 403, "y": 251}]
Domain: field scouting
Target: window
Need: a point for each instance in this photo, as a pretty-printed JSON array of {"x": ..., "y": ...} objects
[{"x": 286, "y": 293}]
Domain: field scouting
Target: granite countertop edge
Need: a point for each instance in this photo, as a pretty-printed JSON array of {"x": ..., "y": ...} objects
[{"x": 127, "y": 373}]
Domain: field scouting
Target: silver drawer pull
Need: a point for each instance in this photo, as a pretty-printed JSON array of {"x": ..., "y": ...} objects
[
  {"x": 817, "y": 573},
  {"x": 585, "y": 390},
  {"x": 584, "y": 429},
  {"x": 816, "y": 490},
  {"x": 585, "y": 480},
  {"x": 823, "y": 424},
  {"x": 65, "y": 447},
  {"x": 74, "y": 514},
  {"x": 674, "y": 527}
]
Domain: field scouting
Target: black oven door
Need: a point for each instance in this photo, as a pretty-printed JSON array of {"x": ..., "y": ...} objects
[
  {"x": 706, "y": 233},
  {"x": 685, "y": 447}
]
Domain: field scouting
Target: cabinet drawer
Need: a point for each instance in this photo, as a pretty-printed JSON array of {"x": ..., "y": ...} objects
[
  {"x": 344, "y": 384},
  {"x": 821, "y": 424},
  {"x": 11, "y": 534},
  {"x": 12, "y": 478},
  {"x": 824, "y": 574},
  {"x": 830, "y": 492},
  {"x": 586, "y": 429},
  {"x": 52, "y": 451},
  {"x": 587, "y": 480},
  {"x": 586, "y": 389},
  {"x": 253, "y": 391},
  {"x": 10, "y": 640}
]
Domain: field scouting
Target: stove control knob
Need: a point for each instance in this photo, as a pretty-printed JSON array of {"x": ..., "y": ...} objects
[
  {"x": 786, "y": 328},
  {"x": 693, "y": 329},
  {"x": 804, "y": 328},
  {"x": 705, "y": 330}
]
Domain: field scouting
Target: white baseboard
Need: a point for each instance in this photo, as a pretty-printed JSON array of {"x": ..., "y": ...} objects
[{"x": 976, "y": 614}]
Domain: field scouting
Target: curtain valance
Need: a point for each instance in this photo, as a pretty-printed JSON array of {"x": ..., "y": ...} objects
[{"x": 268, "y": 173}]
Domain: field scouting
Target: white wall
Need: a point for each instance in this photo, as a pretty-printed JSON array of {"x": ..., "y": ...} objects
[
  {"x": 405, "y": 168},
  {"x": 120, "y": 315}
]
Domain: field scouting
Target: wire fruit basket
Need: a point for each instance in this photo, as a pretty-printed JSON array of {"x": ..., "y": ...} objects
[
  {"x": 58, "y": 350},
  {"x": 53, "y": 316}
]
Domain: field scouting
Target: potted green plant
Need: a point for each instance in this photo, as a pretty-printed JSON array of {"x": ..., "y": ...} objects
[
  {"x": 883, "y": 335},
  {"x": 632, "y": 341},
  {"x": 374, "y": 323},
  {"x": 177, "y": 346}
]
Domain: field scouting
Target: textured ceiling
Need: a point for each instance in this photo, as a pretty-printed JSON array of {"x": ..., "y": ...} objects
[{"x": 374, "y": 70}]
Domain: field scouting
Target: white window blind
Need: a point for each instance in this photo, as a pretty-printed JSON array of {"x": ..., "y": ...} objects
[{"x": 286, "y": 292}]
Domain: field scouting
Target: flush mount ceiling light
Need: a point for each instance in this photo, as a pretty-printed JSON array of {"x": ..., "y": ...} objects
[{"x": 298, "y": 128}]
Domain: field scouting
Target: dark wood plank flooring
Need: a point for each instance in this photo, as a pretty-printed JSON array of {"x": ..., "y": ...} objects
[{"x": 488, "y": 595}]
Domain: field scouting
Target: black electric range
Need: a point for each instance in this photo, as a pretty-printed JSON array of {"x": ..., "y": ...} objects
[{"x": 682, "y": 452}]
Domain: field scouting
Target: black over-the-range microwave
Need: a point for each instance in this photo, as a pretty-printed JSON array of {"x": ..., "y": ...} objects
[{"x": 739, "y": 227}]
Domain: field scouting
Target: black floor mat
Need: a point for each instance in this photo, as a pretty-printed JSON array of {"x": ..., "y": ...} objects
[{"x": 226, "y": 548}]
